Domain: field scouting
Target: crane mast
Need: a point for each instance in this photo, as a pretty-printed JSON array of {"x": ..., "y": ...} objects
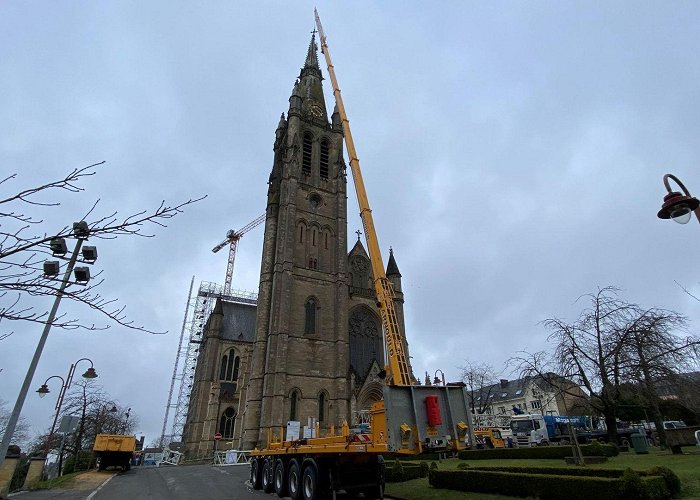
[
  {"x": 232, "y": 238},
  {"x": 397, "y": 369}
]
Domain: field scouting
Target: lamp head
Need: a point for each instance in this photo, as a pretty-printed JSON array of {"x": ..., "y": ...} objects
[
  {"x": 90, "y": 373},
  {"x": 43, "y": 390},
  {"x": 678, "y": 207}
]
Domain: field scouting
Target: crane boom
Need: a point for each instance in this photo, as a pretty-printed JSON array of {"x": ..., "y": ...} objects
[
  {"x": 232, "y": 238},
  {"x": 397, "y": 370}
]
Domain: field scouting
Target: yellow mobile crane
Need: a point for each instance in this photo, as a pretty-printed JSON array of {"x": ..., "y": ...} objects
[{"x": 410, "y": 420}]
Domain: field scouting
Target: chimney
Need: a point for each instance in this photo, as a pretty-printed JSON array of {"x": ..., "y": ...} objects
[{"x": 504, "y": 383}]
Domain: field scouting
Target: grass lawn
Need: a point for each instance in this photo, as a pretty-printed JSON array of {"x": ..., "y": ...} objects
[{"x": 686, "y": 466}]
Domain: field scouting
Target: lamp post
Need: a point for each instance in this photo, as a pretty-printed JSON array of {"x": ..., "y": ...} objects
[
  {"x": 126, "y": 420},
  {"x": 58, "y": 247},
  {"x": 90, "y": 373},
  {"x": 678, "y": 206},
  {"x": 437, "y": 381}
]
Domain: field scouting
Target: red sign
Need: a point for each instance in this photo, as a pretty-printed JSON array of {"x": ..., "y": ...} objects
[{"x": 217, "y": 436}]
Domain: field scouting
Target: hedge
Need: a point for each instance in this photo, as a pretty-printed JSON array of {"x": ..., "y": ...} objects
[
  {"x": 401, "y": 471},
  {"x": 589, "y": 450},
  {"x": 550, "y": 486}
]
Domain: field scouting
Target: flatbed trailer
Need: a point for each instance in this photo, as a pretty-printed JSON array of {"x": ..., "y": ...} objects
[{"x": 410, "y": 420}]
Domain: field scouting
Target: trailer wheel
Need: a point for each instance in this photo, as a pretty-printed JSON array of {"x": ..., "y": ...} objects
[
  {"x": 255, "y": 475},
  {"x": 625, "y": 442},
  {"x": 267, "y": 480},
  {"x": 294, "y": 480},
  {"x": 309, "y": 483},
  {"x": 280, "y": 478}
]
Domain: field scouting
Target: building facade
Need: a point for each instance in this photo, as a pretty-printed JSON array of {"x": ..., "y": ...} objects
[{"x": 315, "y": 346}]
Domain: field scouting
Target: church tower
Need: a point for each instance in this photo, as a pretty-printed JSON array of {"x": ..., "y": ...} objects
[{"x": 300, "y": 362}]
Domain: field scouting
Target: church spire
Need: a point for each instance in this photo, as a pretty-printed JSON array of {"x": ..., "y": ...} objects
[
  {"x": 311, "y": 62},
  {"x": 309, "y": 87}
]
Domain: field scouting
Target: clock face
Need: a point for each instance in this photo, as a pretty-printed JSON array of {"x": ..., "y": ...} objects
[{"x": 317, "y": 111}]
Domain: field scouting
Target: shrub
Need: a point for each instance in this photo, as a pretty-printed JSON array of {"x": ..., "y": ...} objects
[
  {"x": 673, "y": 482},
  {"x": 463, "y": 466},
  {"x": 424, "y": 469},
  {"x": 396, "y": 472},
  {"x": 433, "y": 466},
  {"x": 590, "y": 450}
]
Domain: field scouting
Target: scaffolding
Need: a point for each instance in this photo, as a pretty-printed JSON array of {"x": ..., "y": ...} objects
[{"x": 199, "y": 307}]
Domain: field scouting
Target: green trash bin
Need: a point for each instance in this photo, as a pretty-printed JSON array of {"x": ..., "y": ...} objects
[{"x": 639, "y": 443}]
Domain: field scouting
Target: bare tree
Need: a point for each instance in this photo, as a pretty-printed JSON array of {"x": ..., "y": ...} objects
[
  {"x": 24, "y": 244},
  {"x": 605, "y": 349},
  {"x": 656, "y": 354},
  {"x": 21, "y": 433},
  {"x": 479, "y": 380}
]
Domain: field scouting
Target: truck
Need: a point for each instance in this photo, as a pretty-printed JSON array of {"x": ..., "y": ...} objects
[
  {"x": 489, "y": 437},
  {"x": 114, "y": 450},
  {"x": 541, "y": 430},
  {"x": 409, "y": 420}
]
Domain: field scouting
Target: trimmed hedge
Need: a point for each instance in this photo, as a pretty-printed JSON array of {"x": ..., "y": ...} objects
[
  {"x": 552, "y": 486},
  {"x": 590, "y": 450},
  {"x": 401, "y": 471}
]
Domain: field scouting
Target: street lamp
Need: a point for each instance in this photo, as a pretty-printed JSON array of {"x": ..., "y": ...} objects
[
  {"x": 678, "y": 206},
  {"x": 90, "y": 373},
  {"x": 436, "y": 381},
  {"x": 58, "y": 247}
]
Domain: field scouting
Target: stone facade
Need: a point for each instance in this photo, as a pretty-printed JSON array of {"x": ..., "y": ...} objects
[{"x": 316, "y": 344}]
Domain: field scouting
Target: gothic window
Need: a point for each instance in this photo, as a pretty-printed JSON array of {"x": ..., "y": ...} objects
[
  {"x": 326, "y": 240},
  {"x": 306, "y": 154},
  {"x": 366, "y": 343},
  {"x": 310, "y": 320},
  {"x": 360, "y": 272},
  {"x": 324, "y": 159},
  {"x": 229, "y": 367},
  {"x": 301, "y": 234},
  {"x": 313, "y": 238},
  {"x": 293, "y": 401},
  {"x": 322, "y": 407},
  {"x": 226, "y": 423}
]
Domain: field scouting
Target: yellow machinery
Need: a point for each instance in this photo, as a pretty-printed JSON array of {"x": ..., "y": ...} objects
[
  {"x": 410, "y": 420},
  {"x": 114, "y": 450}
]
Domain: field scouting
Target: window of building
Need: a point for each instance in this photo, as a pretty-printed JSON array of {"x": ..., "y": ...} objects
[
  {"x": 501, "y": 410},
  {"x": 322, "y": 407},
  {"x": 301, "y": 234},
  {"x": 324, "y": 159},
  {"x": 536, "y": 404},
  {"x": 306, "y": 154},
  {"x": 326, "y": 241},
  {"x": 518, "y": 392},
  {"x": 293, "y": 400},
  {"x": 229, "y": 367},
  {"x": 226, "y": 423},
  {"x": 310, "y": 322},
  {"x": 313, "y": 238}
]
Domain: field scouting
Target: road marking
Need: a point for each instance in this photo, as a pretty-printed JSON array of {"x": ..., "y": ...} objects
[
  {"x": 222, "y": 471},
  {"x": 89, "y": 497}
]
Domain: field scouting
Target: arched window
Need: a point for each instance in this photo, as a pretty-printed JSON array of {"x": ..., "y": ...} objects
[
  {"x": 301, "y": 234},
  {"x": 324, "y": 159},
  {"x": 229, "y": 367},
  {"x": 306, "y": 154},
  {"x": 326, "y": 240},
  {"x": 313, "y": 238},
  {"x": 310, "y": 321},
  {"x": 322, "y": 407},
  {"x": 226, "y": 423},
  {"x": 293, "y": 400}
]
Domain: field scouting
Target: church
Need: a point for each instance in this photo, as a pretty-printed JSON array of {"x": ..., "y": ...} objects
[{"x": 312, "y": 346}]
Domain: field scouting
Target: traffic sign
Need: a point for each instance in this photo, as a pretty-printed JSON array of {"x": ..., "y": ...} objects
[{"x": 217, "y": 436}]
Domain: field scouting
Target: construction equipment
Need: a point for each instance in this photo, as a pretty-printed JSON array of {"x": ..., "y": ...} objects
[
  {"x": 114, "y": 450},
  {"x": 410, "y": 420},
  {"x": 232, "y": 238}
]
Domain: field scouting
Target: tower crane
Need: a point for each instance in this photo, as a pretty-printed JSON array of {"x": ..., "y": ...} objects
[{"x": 232, "y": 238}]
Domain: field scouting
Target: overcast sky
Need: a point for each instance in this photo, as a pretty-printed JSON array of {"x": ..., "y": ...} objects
[{"x": 513, "y": 154}]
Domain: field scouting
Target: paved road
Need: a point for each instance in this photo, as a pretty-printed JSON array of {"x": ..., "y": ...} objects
[{"x": 164, "y": 483}]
